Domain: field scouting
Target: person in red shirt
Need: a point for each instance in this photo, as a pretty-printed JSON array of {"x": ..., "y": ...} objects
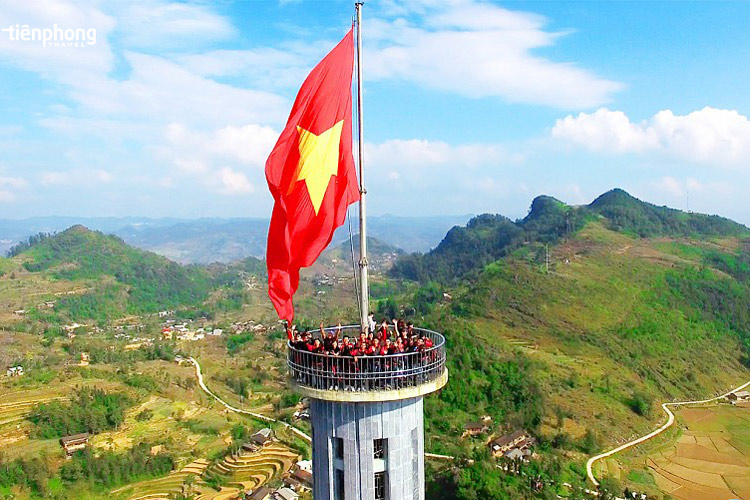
[
  {"x": 399, "y": 345},
  {"x": 383, "y": 329},
  {"x": 383, "y": 349},
  {"x": 374, "y": 348},
  {"x": 391, "y": 347},
  {"x": 316, "y": 346}
]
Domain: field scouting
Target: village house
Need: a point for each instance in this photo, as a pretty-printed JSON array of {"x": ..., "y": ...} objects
[
  {"x": 84, "y": 359},
  {"x": 303, "y": 414},
  {"x": 737, "y": 396},
  {"x": 262, "y": 437},
  {"x": 299, "y": 479},
  {"x": 73, "y": 443},
  {"x": 304, "y": 465},
  {"x": 519, "y": 454},
  {"x": 72, "y": 327},
  {"x": 14, "y": 371},
  {"x": 284, "y": 494},
  {"x": 474, "y": 429},
  {"x": 502, "y": 445},
  {"x": 262, "y": 493},
  {"x": 181, "y": 360}
]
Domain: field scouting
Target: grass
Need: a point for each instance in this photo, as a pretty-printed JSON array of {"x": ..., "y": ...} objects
[{"x": 599, "y": 327}]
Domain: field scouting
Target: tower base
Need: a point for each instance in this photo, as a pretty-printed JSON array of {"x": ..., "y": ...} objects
[{"x": 368, "y": 450}]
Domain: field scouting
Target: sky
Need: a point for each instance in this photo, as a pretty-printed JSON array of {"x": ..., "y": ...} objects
[{"x": 169, "y": 109}]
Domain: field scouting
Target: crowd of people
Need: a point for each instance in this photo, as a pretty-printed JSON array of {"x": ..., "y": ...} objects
[
  {"x": 369, "y": 360},
  {"x": 388, "y": 338}
]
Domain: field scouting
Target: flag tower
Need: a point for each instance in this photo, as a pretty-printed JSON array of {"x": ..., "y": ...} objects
[{"x": 366, "y": 411}]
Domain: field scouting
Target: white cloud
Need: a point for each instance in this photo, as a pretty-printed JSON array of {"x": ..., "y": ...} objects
[
  {"x": 268, "y": 68},
  {"x": 480, "y": 50},
  {"x": 169, "y": 25},
  {"x": 233, "y": 182},
  {"x": 159, "y": 90},
  {"x": 55, "y": 178},
  {"x": 671, "y": 185},
  {"x": 192, "y": 166},
  {"x": 711, "y": 136},
  {"x": 412, "y": 153},
  {"x": 605, "y": 130},
  {"x": 682, "y": 189},
  {"x": 12, "y": 182},
  {"x": 9, "y": 186},
  {"x": 219, "y": 159},
  {"x": 80, "y": 177},
  {"x": 249, "y": 145}
]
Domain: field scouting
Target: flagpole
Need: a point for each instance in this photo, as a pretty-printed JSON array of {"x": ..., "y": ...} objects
[{"x": 364, "y": 306}]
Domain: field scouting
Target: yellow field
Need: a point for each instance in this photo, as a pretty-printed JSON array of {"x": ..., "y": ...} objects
[
  {"x": 710, "y": 460},
  {"x": 242, "y": 472}
]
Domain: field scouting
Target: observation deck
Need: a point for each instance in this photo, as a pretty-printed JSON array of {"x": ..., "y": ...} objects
[{"x": 368, "y": 378}]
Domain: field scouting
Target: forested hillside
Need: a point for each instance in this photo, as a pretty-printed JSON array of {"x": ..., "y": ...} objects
[
  {"x": 575, "y": 322},
  {"x": 120, "y": 279},
  {"x": 487, "y": 238}
]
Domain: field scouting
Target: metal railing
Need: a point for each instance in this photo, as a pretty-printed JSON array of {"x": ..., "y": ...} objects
[{"x": 367, "y": 373}]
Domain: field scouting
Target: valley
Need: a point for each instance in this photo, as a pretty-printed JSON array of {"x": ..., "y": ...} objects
[{"x": 572, "y": 324}]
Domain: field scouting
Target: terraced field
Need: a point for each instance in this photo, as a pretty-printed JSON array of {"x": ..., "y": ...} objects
[
  {"x": 13, "y": 415},
  {"x": 711, "y": 460},
  {"x": 14, "y": 412},
  {"x": 250, "y": 470},
  {"x": 242, "y": 472},
  {"x": 163, "y": 487}
]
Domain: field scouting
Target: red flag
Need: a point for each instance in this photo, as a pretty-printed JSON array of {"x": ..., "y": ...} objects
[{"x": 311, "y": 175}]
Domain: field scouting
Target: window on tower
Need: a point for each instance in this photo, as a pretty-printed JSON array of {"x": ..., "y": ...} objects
[
  {"x": 338, "y": 485},
  {"x": 337, "y": 445},
  {"x": 380, "y": 449},
  {"x": 380, "y": 486}
]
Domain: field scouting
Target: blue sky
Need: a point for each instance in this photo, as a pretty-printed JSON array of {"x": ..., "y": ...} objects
[{"x": 470, "y": 106}]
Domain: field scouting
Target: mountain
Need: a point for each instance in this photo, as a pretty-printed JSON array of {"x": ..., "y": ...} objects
[
  {"x": 207, "y": 240},
  {"x": 574, "y": 322},
  {"x": 13, "y": 231},
  {"x": 338, "y": 258},
  {"x": 487, "y": 238},
  {"x": 116, "y": 278},
  {"x": 201, "y": 241},
  {"x": 628, "y": 214}
]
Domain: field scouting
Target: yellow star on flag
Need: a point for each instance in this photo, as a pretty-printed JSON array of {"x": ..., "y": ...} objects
[{"x": 318, "y": 161}]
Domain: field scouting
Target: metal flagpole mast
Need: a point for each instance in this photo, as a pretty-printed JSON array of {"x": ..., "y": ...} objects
[{"x": 364, "y": 298}]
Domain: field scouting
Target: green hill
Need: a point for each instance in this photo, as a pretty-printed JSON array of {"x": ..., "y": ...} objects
[
  {"x": 487, "y": 238},
  {"x": 120, "y": 279},
  {"x": 574, "y": 322},
  {"x": 628, "y": 214}
]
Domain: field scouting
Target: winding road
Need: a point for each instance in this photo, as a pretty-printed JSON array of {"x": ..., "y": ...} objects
[
  {"x": 201, "y": 383},
  {"x": 670, "y": 421}
]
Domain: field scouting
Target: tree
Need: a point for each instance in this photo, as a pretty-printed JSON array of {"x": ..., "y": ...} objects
[{"x": 609, "y": 488}]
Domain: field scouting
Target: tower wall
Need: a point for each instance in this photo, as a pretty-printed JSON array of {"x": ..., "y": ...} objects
[{"x": 358, "y": 425}]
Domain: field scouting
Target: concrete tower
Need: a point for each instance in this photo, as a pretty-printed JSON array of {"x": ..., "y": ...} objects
[{"x": 367, "y": 419}]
